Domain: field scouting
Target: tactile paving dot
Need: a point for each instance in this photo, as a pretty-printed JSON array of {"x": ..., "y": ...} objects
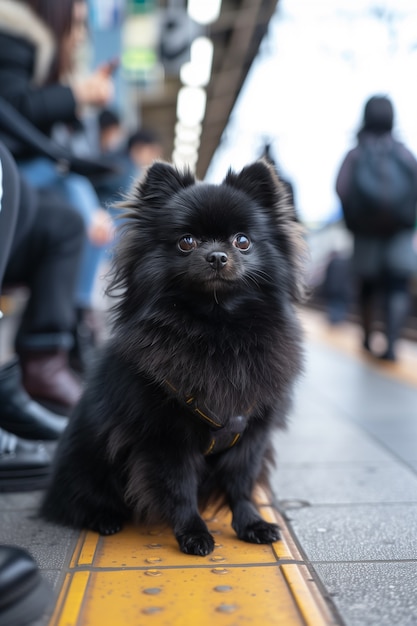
[
  {"x": 226, "y": 608},
  {"x": 223, "y": 588},
  {"x": 153, "y": 572},
  {"x": 152, "y": 591}
]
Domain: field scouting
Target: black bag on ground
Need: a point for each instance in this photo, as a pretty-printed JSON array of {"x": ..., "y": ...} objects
[{"x": 382, "y": 196}]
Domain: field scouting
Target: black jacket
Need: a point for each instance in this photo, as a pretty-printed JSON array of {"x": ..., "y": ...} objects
[{"x": 27, "y": 48}]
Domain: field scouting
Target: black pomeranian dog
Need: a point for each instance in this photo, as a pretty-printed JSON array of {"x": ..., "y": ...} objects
[{"x": 179, "y": 408}]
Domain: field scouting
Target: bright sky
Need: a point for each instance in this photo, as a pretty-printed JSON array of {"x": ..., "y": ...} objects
[{"x": 318, "y": 65}]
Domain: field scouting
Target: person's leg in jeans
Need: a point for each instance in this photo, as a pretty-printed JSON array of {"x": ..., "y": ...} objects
[
  {"x": 77, "y": 190},
  {"x": 80, "y": 193},
  {"x": 47, "y": 260},
  {"x": 19, "y": 414}
]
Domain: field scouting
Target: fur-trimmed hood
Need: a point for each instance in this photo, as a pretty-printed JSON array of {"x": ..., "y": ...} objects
[{"x": 18, "y": 19}]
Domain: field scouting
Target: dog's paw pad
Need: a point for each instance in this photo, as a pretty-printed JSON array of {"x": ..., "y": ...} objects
[
  {"x": 201, "y": 543},
  {"x": 260, "y": 532}
]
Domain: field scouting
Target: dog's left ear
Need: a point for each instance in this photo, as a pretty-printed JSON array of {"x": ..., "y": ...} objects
[
  {"x": 258, "y": 181},
  {"x": 162, "y": 181}
]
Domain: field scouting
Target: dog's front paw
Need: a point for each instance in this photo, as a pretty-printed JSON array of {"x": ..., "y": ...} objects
[
  {"x": 107, "y": 526},
  {"x": 259, "y": 532},
  {"x": 200, "y": 543}
]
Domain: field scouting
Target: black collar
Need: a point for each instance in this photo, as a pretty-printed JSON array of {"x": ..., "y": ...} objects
[{"x": 223, "y": 436}]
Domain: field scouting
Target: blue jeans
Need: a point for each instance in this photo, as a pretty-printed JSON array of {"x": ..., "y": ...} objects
[{"x": 42, "y": 173}]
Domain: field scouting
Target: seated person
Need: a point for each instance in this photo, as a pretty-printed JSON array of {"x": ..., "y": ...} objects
[
  {"x": 38, "y": 44},
  {"x": 23, "y": 464},
  {"x": 43, "y": 256}
]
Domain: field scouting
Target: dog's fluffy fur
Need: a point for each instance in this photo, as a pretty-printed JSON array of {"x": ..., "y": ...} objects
[{"x": 207, "y": 277}]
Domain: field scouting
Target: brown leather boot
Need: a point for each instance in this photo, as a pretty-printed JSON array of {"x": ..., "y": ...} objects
[
  {"x": 47, "y": 377},
  {"x": 21, "y": 415}
]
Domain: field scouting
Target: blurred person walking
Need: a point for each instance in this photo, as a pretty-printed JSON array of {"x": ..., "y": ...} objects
[
  {"x": 38, "y": 42},
  {"x": 377, "y": 186}
]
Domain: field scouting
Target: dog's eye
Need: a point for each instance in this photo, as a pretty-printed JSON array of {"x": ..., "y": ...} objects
[
  {"x": 242, "y": 242},
  {"x": 187, "y": 243}
]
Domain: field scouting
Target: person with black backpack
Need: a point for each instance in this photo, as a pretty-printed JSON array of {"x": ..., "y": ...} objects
[{"x": 377, "y": 186}]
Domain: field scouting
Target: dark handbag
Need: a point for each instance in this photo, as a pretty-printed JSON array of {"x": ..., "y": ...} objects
[{"x": 15, "y": 129}]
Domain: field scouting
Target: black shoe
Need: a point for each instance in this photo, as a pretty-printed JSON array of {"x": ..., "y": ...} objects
[
  {"x": 24, "y": 465},
  {"x": 21, "y": 415},
  {"x": 24, "y": 594}
]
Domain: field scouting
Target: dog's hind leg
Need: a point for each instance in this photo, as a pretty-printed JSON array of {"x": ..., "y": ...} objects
[{"x": 83, "y": 505}]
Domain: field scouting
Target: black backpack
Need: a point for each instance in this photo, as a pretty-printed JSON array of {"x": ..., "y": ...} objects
[{"x": 383, "y": 192}]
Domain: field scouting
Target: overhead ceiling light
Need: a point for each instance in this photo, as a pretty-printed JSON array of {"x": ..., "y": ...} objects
[
  {"x": 187, "y": 134},
  {"x": 186, "y": 150},
  {"x": 204, "y": 11},
  {"x": 185, "y": 161},
  {"x": 195, "y": 129},
  {"x": 197, "y": 72},
  {"x": 186, "y": 146},
  {"x": 191, "y": 105}
]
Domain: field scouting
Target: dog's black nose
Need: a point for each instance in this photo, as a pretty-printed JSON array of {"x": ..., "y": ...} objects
[{"x": 217, "y": 259}]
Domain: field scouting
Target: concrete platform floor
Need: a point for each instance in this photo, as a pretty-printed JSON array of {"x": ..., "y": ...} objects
[
  {"x": 347, "y": 475},
  {"x": 346, "y": 483}
]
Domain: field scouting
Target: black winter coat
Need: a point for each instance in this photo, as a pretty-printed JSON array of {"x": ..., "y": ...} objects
[{"x": 27, "y": 49}]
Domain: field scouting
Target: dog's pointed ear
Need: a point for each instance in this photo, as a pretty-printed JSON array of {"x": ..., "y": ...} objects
[
  {"x": 162, "y": 181},
  {"x": 258, "y": 181}
]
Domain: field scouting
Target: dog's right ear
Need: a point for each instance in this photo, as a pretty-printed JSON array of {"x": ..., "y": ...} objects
[{"x": 161, "y": 182}]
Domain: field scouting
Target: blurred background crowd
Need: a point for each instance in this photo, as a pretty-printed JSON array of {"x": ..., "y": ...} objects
[{"x": 93, "y": 91}]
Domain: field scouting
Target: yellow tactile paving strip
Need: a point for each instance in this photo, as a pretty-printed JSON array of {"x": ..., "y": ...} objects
[{"x": 140, "y": 577}]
